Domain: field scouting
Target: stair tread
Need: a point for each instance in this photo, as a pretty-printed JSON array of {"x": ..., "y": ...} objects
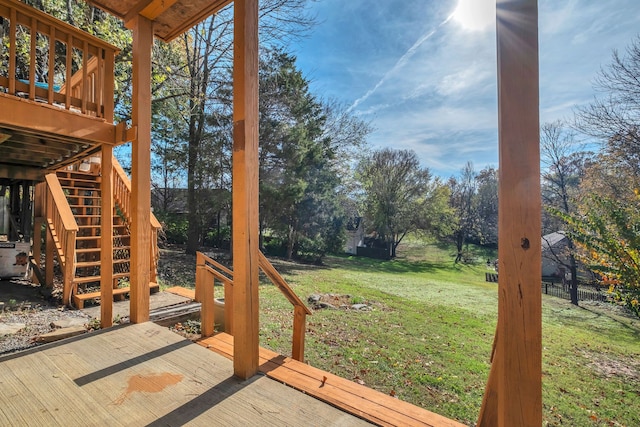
[
  {"x": 82, "y": 264},
  {"x": 100, "y": 237},
  {"x": 89, "y": 279},
  {"x": 116, "y": 291},
  {"x": 98, "y": 226},
  {"x": 89, "y": 250}
]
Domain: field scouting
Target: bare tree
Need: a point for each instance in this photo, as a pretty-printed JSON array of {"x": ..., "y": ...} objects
[
  {"x": 563, "y": 168},
  {"x": 614, "y": 116}
]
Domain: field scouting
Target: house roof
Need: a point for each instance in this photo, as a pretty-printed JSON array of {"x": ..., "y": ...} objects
[
  {"x": 553, "y": 239},
  {"x": 171, "y": 18}
]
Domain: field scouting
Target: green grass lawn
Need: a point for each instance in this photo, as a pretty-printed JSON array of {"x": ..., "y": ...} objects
[{"x": 428, "y": 337}]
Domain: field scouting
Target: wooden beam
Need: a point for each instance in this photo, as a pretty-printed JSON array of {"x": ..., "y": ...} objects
[
  {"x": 21, "y": 172},
  {"x": 150, "y": 9},
  {"x": 519, "y": 343},
  {"x": 141, "y": 170},
  {"x": 106, "y": 240},
  {"x": 245, "y": 188},
  {"x": 19, "y": 113}
]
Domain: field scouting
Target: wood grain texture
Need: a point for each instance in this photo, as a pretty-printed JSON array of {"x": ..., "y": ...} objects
[
  {"x": 519, "y": 347},
  {"x": 144, "y": 374},
  {"x": 245, "y": 188},
  {"x": 356, "y": 399},
  {"x": 141, "y": 170},
  {"x": 106, "y": 240}
]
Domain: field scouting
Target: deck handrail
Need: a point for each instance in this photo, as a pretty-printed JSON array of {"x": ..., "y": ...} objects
[
  {"x": 209, "y": 270},
  {"x": 64, "y": 229},
  {"x": 89, "y": 90}
]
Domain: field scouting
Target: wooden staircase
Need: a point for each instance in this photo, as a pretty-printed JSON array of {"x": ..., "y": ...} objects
[{"x": 81, "y": 268}]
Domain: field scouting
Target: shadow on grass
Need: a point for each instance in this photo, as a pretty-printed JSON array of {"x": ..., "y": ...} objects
[
  {"x": 594, "y": 318},
  {"x": 400, "y": 265},
  {"x": 396, "y": 266}
]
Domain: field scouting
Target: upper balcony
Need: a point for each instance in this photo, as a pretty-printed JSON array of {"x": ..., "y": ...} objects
[{"x": 56, "y": 91}]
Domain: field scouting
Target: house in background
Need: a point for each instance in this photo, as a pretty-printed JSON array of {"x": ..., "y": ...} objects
[
  {"x": 554, "y": 254},
  {"x": 555, "y": 258},
  {"x": 355, "y": 235}
]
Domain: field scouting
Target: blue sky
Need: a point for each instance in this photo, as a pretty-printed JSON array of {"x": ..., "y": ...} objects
[{"x": 423, "y": 72}]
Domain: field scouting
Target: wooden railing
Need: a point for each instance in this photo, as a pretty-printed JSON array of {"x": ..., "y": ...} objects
[
  {"x": 208, "y": 271},
  {"x": 63, "y": 228},
  {"x": 80, "y": 78},
  {"x": 300, "y": 310},
  {"x": 122, "y": 196}
]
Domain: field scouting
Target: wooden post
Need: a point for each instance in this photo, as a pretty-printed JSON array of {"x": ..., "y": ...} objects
[
  {"x": 207, "y": 311},
  {"x": 106, "y": 240},
  {"x": 200, "y": 277},
  {"x": 516, "y": 374},
  {"x": 141, "y": 169},
  {"x": 299, "y": 326},
  {"x": 228, "y": 307},
  {"x": 48, "y": 259},
  {"x": 245, "y": 189},
  {"x": 37, "y": 242}
]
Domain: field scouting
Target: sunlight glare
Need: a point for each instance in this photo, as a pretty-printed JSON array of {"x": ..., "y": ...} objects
[{"x": 475, "y": 15}]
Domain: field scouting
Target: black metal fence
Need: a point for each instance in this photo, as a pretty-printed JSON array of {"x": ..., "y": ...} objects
[{"x": 562, "y": 291}]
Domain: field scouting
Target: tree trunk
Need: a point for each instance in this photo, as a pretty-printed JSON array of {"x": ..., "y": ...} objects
[
  {"x": 290, "y": 242},
  {"x": 574, "y": 279},
  {"x": 459, "y": 245}
]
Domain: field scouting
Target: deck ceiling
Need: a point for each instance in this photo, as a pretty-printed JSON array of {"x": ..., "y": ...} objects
[
  {"x": 171, "y": 18},
  {"x": 26, "y": 155}
]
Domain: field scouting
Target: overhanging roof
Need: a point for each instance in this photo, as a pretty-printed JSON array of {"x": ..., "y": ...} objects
[{"x": 171, "y": 17}]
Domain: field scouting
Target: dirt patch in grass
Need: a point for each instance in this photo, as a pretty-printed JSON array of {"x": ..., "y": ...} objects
[
  {"x": 608, "y": 366},
  {"x": 343, "y": 302}
]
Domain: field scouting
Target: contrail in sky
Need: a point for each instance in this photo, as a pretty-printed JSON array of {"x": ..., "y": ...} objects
[{"x": 401, "y": 62}]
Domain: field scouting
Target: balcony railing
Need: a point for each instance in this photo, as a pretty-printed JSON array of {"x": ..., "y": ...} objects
[{"x": 51, "y": 62}]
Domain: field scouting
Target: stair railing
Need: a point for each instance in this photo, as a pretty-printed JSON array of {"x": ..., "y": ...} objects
[
  {"x": 208, "y": 271},
  {"x": 122, "y": 196},
  {"x": 300, "y": 310},
  {"x": 64, "y": 229}
]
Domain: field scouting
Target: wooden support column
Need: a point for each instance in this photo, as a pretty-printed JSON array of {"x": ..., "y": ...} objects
[
  {"x": 48, "y": 259},
  {"x": 514, "y": 391},
  {"x": 245, "y": 189},
  {"x": 106, "y": 240},
  {"x": 36, "y": 250},
  {"x": 141, "y": 169}
]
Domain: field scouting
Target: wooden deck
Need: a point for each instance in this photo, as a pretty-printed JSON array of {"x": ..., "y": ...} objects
[
  {"x": 144, "y": 374},
  {"x": 353, "y": 398}
]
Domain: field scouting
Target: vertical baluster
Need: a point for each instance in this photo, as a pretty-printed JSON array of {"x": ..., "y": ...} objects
[
  {"x": 98, "y": 93},
  {"x": 13, "y": 28},
  {"x": 32, "y": 59},
  {"x": 67, "y": 83},
  {"x": 52, "y": 64},
  {"x": 85, "y": 81},
  {"x": 107, "y": 86}
]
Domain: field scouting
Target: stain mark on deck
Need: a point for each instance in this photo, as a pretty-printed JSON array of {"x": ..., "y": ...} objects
[{"x": 153, "y": 383}]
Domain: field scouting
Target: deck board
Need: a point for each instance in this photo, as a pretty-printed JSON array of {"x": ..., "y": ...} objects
[
  {"x": 344, "y": 394},
  {"x": 144, "y": 374}
]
